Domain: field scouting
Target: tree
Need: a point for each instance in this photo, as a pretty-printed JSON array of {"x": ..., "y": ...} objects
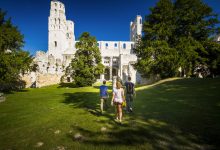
[
  {"x": 213, "y": 57},
  {"x": 155, "y": 55},
  {"x": 194, "y": 19},
  {"x": 195, "y": 24},
  {"x": 176, "y": 35},
  {"x": 13, "y": 61},
  {"x": 190, "y": 54},
  {"x": 86, "y": 64},
  {"x": 159, "y": 24},
  {"x": 157, "y": 59}
]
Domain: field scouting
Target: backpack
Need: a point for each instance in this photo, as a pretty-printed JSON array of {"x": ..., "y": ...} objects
[{"x": 130, "y": 88}]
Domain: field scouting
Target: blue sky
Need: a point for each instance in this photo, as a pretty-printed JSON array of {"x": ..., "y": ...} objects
[{"x": 104, "y": 19}]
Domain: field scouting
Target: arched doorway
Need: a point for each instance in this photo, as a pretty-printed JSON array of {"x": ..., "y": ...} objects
[{"x": 107, "y": 74}]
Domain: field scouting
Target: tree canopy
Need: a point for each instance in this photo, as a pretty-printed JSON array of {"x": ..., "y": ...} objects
[
  {"x": 178, "y": 34},
  {"x": 13, "y": 60},
  {"x": 86, "y": 64}
]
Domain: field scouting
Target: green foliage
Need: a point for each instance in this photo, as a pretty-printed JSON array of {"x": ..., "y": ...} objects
[
  {"x": 157, "y": 58},
  {"x": 11, "y": 38},
  {"x": 86, "y": 64},
  {"x": 13, "y": 61},
  {"x": 177, "y": 33},
  {"x": 155, "y": 54},
  {"x": 213, "y": 57},
  {"x": 159, "y": 24},
  {"x": 194, "y": 18},
  {"x": 190, "y": 54},
  {"x": 195, "y": 23}
]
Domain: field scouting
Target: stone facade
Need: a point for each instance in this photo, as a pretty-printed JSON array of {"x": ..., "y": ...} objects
[
  {"x": 217, "y": 38},
  {"x": 117, "y": 56}
]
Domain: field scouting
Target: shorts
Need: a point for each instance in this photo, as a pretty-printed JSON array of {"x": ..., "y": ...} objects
[{"x": 117, "y": 103}]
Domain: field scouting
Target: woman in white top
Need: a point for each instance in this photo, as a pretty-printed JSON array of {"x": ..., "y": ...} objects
[{"x": 118, "y": 98}]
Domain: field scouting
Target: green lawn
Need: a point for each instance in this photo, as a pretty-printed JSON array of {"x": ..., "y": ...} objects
[{"x": 175, "y": 114}]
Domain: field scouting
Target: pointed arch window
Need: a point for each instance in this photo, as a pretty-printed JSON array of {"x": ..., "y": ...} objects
[
  {"x": 55, "y": 43},
  {"x": 124, "y": 46},
  {"x": 106, "y": 45}
]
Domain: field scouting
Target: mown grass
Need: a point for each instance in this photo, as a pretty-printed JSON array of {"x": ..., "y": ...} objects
[{"x": 175, "y": 114}]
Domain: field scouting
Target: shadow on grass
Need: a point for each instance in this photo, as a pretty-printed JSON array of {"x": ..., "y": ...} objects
[
  {"x": 12, "y": 92},
  {"x": 189, "y": 104},
  {"x": 181, "y": 114},
  {"x": 87, "y": 100},
  {"x": 69, "y": 85},
  {"x": 141, "y": 136}
]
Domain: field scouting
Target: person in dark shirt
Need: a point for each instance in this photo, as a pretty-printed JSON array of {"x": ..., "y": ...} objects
[
  {"x": 130, "y": 93},
  {"x": 103, "y": 96}
]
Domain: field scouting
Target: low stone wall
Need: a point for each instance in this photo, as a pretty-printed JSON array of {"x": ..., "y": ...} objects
[
  {"x": 39, "y": 80},
  {"x": 27, "y": 79},
  {"x": 150, "y": 80},
  {"x": 47, "y": 79}
]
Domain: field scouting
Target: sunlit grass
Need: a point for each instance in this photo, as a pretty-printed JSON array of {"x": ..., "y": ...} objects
[{"x": 171, "y": 114}]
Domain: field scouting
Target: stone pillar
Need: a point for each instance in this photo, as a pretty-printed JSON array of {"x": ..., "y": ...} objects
[
  {"x": 114, "y": 83},
  {"x": 110, "y": 68},
  {"x": 102, "y": 77},
  {"x": 120, "y": 66}
]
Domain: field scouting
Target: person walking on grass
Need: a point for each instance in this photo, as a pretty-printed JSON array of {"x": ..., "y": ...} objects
[
  {"x": 118, "y": 98},
  {"x": 103, "y": 96},
  {"x": 130, "y": 93}
]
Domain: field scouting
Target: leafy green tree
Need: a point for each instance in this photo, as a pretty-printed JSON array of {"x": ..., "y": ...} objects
[
  {"x": 155, "y": 55},
  {"x": 157, "y": 59},
  {"x": 195, "y": 23},
  {"x": 190, "y": 54},
  {"x": 13, "y": 61},
  {"x": 194, "y": 19},
  {"x": 11, "y": 38},
  {"x": 176, "y": 35},
  {"x": 213, "y": 57},
  {"x": 159, "y": 24},
  {"x": 86, "y": 64}
]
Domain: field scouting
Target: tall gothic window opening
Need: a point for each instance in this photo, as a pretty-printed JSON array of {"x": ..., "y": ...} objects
[
  {"x": 106, "y": 45},
  {"x": 55, "y": 43},
  {"x": 124, "y": 46},
  {"x": 116, "y": 45},
  {"x": 67, "y": 35}
]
